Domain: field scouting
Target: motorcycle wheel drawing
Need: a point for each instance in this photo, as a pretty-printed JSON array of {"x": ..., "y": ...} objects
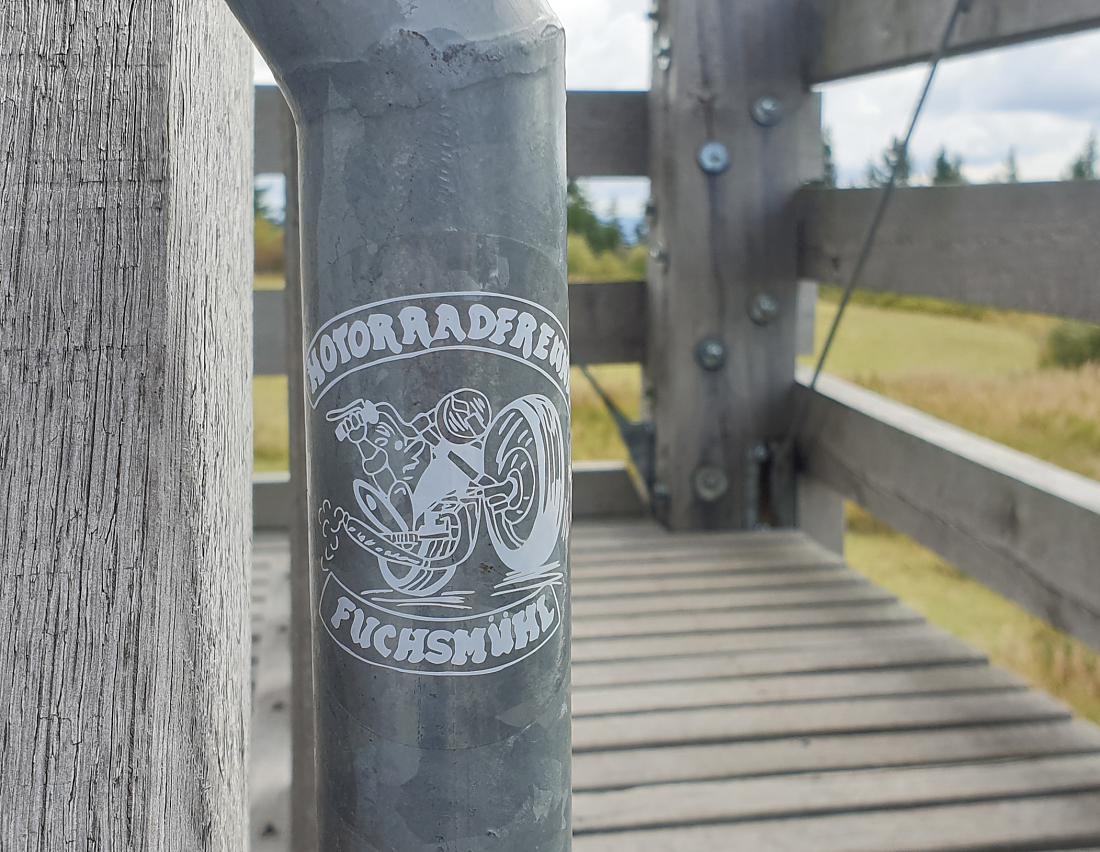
[
  {"x": 509, "y": 470},
  {"x": 525, "y": 448}
]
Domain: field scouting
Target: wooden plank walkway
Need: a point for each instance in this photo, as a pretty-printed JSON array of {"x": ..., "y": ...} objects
[{"x": 737, "y": 691}]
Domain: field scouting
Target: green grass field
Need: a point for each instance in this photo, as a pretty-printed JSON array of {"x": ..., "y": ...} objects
[{"x": 978, "y": 369}]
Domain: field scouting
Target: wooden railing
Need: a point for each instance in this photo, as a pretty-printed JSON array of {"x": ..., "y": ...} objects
[
  {"x": 607, "y": 138},
  {"x": 1024, "y": 246},
  {"x": 1023, "y": 527}
]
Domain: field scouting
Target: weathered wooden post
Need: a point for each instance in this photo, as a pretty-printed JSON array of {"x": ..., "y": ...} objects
[
  {"x": 432, "y": 181},
  {"x": 729, "y": 125},
  {"x": 125, "y": 447}
]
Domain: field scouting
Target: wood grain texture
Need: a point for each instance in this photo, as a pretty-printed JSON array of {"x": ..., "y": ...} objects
[
  {"x": 1025, "y": 247},
  {"x": 804, "y": 578},
  {"x": 1069, "y": 821},
  {"x": 125, "y": 448},
  {"x": 1023, "y": 527},
  {"x": 623, "y": 769},
  {"x": 916, "y": 712},
  {"x": 729, "y": 692},
  {"x": 860, "y": 630},
  {"x": 907, "y": 652},
  {"x": 850, "y": 37},
  {"x": 736, "y": 600},
  {"x": 692, "y": 803},
  {"x": 726, "y": 238},
  {"x": 735, "y": 625}
]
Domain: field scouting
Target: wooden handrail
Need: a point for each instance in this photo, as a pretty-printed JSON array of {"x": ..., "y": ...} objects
[
  {"x": 851, "y": 37},
  {"x": 1025, "y": 528},
  {"x": 1026, "y": 247}
]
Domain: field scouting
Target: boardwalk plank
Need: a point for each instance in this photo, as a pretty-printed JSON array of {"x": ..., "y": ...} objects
[
  {"x": 848, "y": 790},
  {"x": 747, "y": 691},
  {"x": 709, "y": 550},
  {"x": 646, "y": 647},
  {"x": 791, "y": 688},
  {"x": 868, "y": 715},
  {"x": 927, "y": 650},
  {"x": 585, "y": 588},
  {"x": 738, "y": 599},
  {"x": 686, "y": 565},
  {"x": 684, "y": 625},
  {"x": 620, "y": 769},
  {"x": 1060, "y": 821}
]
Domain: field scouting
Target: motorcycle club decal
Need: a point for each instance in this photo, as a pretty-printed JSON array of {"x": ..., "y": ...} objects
[{"x": 443, "y": 550}]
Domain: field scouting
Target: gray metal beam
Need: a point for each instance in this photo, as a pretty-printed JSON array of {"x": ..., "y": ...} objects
[{"x": 432, "y": 221}]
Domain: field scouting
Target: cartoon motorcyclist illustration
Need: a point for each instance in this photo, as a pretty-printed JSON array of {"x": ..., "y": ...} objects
[{"x": 427, "y": 483}]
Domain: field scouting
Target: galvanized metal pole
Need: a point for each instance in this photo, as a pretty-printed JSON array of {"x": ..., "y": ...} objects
[{"x": 437, "y": 396}]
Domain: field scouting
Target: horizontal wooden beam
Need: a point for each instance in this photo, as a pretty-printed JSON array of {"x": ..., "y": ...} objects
[
  {"x": 272, "y": 131},
  {"x": 851, "y": 37},
  {"x": 269, "y": 333},
  {"x": 600, "y": 490},
  {"x": 608, "y": 133},
  {"x": 1028, "y": 247},
  {"x": 607, "y": 323},
  {"x": 1025, "y": 528},
  {"x": 607, "y": 326}
]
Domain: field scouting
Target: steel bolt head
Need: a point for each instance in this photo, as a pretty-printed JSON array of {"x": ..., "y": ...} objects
[
  {"x": 764, "y": 308},
  {"x": 711, "y": 354},
  {"x": 714, "y": 158},
  {"x": 710, "y": 483},
  {"x": 659, "y": 254},
  {"x": 767, "y": 111},
  {"x": 662, "y": 50}
]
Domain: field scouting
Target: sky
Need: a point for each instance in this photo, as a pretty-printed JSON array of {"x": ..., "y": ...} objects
[{"x": 1040, "y": 98}]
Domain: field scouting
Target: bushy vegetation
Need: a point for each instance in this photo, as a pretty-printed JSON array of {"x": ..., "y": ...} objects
[
  {"x": 598, "y": 249},
  {"x": 1072, "y": 344},
  {"x": 626, "y": 263},
  {"x": 269, "y": 253}
]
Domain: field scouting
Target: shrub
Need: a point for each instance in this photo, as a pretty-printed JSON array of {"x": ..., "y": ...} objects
[
  {"x": 268, "y": 246},
  {"x": 1072, "y": 344},
  {"x": 621, "y": 264}
]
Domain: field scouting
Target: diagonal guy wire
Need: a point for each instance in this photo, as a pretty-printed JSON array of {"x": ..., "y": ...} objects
[{"x": 900, "y": 155}]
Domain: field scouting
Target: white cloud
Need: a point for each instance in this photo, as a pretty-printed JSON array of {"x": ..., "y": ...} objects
[
  {"x": 261, "y": 74},
  {"x": 1041, "y": 98},
  {"x": 607, "y": 43}
]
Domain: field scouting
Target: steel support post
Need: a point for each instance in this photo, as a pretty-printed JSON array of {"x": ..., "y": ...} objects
[{"x": 432, "y": 219}]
